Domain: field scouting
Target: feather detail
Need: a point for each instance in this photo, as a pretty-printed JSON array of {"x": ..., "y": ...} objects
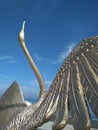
[
  {"x": 80, "y": 114},
  {"x": 91, "y": 83},
  {"x": 62, "y": 111}
]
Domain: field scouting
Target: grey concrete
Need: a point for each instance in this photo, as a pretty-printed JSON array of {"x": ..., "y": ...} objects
[{"x": 48, "y": 126}]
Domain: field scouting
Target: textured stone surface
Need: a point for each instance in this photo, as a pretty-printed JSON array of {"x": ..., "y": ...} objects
[{"x": 11, "y": 103}]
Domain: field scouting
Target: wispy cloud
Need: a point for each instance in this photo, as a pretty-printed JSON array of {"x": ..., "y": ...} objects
[
  {"x": 38, "y": 58},
  {"x": 61, "y": 56},
  {"x": 7, "y": 58}
]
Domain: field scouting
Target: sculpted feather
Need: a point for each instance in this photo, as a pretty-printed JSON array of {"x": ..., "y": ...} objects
[
  {"x": 80, "y": 114},
  {"x": 62, "y": 110}
]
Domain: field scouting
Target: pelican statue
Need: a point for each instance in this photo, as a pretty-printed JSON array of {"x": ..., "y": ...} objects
[{"x": 73, "y": 88}]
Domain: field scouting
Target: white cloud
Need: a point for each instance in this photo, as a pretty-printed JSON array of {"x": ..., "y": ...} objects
[
  {"x": 62, "y": 55},
  {"x": 7, "y": 58},
  {"x": 38, "y": 58}
]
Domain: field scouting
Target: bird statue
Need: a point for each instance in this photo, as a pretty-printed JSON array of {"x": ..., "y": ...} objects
[
  {"x": 12, "y": 101},
  {"x": 73, "y": 88}
]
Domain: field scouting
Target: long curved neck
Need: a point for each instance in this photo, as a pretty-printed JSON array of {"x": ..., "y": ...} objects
[{"x": 33, "y": 66}]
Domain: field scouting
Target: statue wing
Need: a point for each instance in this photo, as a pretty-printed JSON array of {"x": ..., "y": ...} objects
[{"x": 76, "y": 83}]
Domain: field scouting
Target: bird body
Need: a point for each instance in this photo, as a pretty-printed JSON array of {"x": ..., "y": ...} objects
[{"x": 74, "y": 86}]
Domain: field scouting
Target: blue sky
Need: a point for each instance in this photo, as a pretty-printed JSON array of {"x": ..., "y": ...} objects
[{"x": 53, "y": 28}]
